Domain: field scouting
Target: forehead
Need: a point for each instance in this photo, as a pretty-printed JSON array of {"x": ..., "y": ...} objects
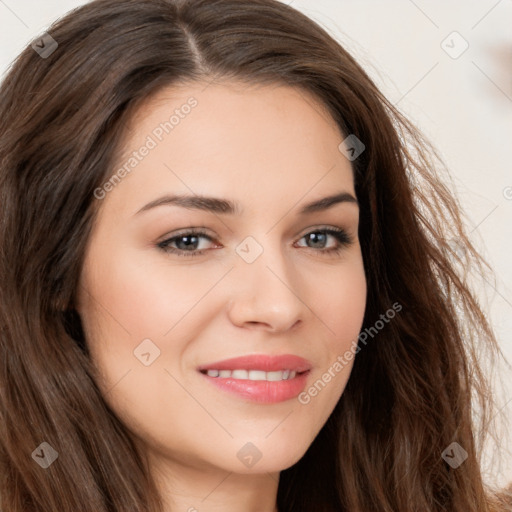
[
  {"x": 232, "y": 140},
  {"x": 238, "y": 109}
]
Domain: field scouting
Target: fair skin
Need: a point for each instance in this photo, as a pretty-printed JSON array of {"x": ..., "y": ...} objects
[{"x": 273, "y": 150}]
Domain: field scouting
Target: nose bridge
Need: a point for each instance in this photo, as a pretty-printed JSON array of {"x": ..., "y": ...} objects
[
  {"x": 265, "y": 288},
  {"x": 261, "y": 256}
]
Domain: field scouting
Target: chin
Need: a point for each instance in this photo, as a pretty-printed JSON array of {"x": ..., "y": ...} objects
[{"x": 267, "y": 456}]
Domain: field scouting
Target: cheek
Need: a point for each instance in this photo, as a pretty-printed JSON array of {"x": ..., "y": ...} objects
[
  {"x": 126, "y": 302},
  {"x": 341, "y": 303},
  {"x": 346, "y": 305},
  {"x": 340, "y": 309},
  {"x": 144, "y": 299}
]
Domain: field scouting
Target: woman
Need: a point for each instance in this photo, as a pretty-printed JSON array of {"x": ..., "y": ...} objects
[{"x": 141, "y": 372}]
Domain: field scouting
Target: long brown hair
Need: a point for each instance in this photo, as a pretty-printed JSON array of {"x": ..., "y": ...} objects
[{"x": 414, "y": 387}]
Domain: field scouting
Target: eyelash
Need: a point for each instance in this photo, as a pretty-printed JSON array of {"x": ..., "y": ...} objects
[{"x": 340, "y": 235}]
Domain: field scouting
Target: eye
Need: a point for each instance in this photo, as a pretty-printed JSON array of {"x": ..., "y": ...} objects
[
  {"x": 340, "y": 235},
  {"x": 186, "y": 243}
]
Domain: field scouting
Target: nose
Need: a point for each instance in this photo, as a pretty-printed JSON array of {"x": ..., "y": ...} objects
[{"x": 266, "y": 294}]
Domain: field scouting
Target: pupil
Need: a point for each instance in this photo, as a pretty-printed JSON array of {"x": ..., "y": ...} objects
[
  {"x": 314, "y": 237},
  {"x": 189, "y": 240}
]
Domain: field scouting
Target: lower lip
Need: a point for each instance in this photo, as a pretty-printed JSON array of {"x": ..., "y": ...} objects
[{"x": 262, "y": 391}]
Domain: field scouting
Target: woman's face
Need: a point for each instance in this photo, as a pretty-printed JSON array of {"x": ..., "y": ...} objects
[{"x": 159, "y": 303}]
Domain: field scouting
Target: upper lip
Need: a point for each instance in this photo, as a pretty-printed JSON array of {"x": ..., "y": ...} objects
[{"x": 264, "y": 362}]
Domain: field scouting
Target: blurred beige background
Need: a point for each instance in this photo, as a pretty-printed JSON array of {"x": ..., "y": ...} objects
[{"x": 448, "y": 66}]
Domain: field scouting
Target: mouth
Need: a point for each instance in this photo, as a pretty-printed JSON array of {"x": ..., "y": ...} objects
[
  {"x": 254, "y": 375},
  {"x": 262, "y": 379}
]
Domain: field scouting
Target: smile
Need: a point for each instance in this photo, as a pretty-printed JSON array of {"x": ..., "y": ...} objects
[
  {"x": 259, "y": 378},
  {"x": 252, "y": 374}
]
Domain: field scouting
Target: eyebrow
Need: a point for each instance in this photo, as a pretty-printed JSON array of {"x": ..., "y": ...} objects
[{"x": 225, "y": 206}]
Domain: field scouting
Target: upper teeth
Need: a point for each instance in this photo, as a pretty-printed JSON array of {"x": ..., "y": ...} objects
[{"x": 252, "y": 374}]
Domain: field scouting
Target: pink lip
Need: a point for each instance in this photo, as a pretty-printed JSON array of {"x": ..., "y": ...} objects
[
  {"x": 261, "y": 362},
  {"x": 265, "y": 392}
]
